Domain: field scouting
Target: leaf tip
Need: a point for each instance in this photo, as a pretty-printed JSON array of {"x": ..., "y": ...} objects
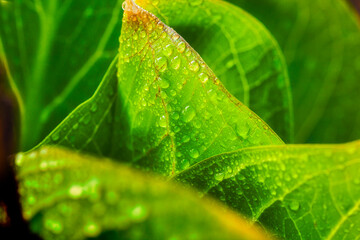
[{"x": 131, "y": 7}]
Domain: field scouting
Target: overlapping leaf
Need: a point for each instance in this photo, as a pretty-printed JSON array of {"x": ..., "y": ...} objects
[
  {"x": 240, "y": 51},
  {"x": 55, "y": 60},
  {"x": 297, "y": 191},
  {"x": 71, "y": 196},
  {"x": 171, "y": 111},
  {"x": 321, "y": 44}
]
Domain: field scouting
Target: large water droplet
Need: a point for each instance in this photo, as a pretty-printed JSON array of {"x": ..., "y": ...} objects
[
  {"x": 161, "y": 64},
  {"x": 53, "y": 225},
  {"x": 175, "y": 63},
  {"x": 163, "y": 83},
  {"x": 139, "y": 212},
  {"x": 195, "y": 2},
  {"x": 219, "y": 176},
  {"x": 55, "y": 136},
  {"x": 75, "y": 191},
  {"x": 188, "y": 113},
  {"x": 194, "y": 66},
  {"x": 181, "y": 47},
  {"x": 91, "y": 229},
  {"x": 162, "y": 122},
  {"x": 203, "y": 77},
  {"x": 194, "y": 153},
  {"x": 93, "y": 107},
  {"x": 294, "y": 205},
  {"x": 168, "y": 50}
]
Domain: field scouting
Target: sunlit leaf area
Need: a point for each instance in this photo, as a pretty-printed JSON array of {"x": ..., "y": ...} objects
[{"x": 180, "y": 119}]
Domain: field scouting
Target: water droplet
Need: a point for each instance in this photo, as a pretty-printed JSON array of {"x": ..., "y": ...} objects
[
  {"x": 55, "y": 136},
  {"x": 188, "y": 113},
  {"x": 175, "y": 63},
  {"x": 185, "y": 139},
  {"x": 194, "y": 153},
  {"x": 195, "y": 2},
  {"x": 242, "y": 130},
  {"x": 161, "y": 64},
  {"x": 203, "y": 77},
  {"x": 294, "y": 205},
  {"x": 91, "y": 229},
  {"x": 53, "y": 225},
  {"x": 181, "y": 47},
  {"x": 194, "y": 66},
  {"x": 219, "y": 176},
  {"x": 135, "y": 36},
  {"x": 138, "y": 212},
  {"x": 149, "y": 27},
  {"x": 163, "y": 83},
  {"x": 188, "y": 52},
  {"x": 175, "y": 116},
  {"x": 142, "y": 34},
  {"x": 75, "y": 126},
  {"x": 19, "y": 159},
  {"x": 168, "y": 50},
  {"x": 124, "y": 5},
  {"x": 175, "y": 37},
  {"x": 75, "y": 191},
  {"x": 93, "y": 107},
  {"x": 86, "y": 119},
  {"x": 31, "y": 200},
  {"x": 162, "y": 122}
]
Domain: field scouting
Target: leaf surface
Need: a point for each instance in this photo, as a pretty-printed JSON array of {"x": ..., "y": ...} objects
[
  {"x": 240, "y": 51},
  {"x": 178, "y": 111},
  {"x": 70, "y": 196},
  {"x": 296, "y": 191},
  {"x": 55, "y": 60},
  {"x": 170, "y": 111},
  {"x": 321, "y": 44}
]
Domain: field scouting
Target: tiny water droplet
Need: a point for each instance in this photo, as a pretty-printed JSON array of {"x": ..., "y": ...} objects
[
  {"x": 194, "y": 66},
  {"x": 175, "y": 116},
  {"x": 188, "y": 52},
  {"x": 142, "y": 34},
  {"x": 188, "y": 113},
  {"x": 135, "y": 36},
  {"x": 19, "y": 159},
  {"x": 55, "y": 136},
  {"x": 75, "y": 126}
]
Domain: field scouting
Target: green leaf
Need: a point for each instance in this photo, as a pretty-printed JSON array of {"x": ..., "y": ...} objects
[
  {"x": 70, "y": 196},
  {"x": 55, "y": 61},
  {"x": 171, "y": 110},
  {"x": 297, "y": 191},
  {"x": 321, "y": 43},
  {"x": 178, "y": 110},
  {"x": 97, "y": 125},
  {"x": 240, "y": 51}
]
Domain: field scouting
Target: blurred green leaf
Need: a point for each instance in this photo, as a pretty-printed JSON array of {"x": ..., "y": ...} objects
[
  {"x": 70, "y": 196},
  {"x": 55, "y": 60},
  {"x": 321, "y": 43},
  {"x": 296, "y": 191},
  {"x": 240, "y": 51},
  {"x": 174, "y": 111}
]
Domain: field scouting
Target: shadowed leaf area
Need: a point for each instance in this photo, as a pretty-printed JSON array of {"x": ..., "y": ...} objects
[{"x": 66, "y": 195}]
